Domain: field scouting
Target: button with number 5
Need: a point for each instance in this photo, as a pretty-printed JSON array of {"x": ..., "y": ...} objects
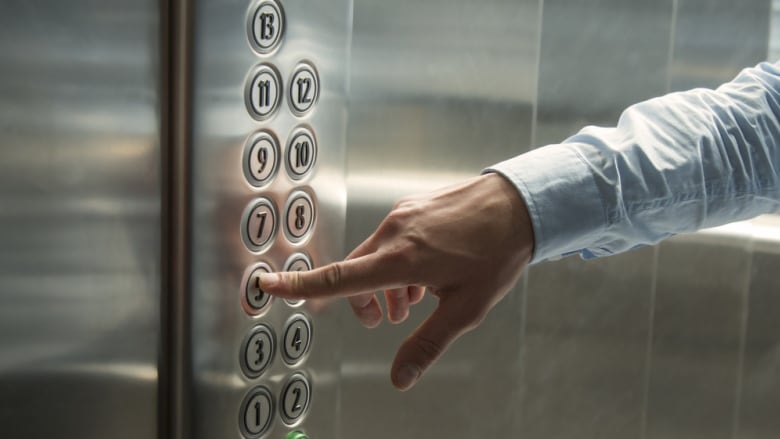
[
  {"x": 296, "y": 339},
  {"x": 300, "y": 213}
]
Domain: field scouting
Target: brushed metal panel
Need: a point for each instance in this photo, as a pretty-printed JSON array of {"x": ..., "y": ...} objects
[
  {"x": 698, "y": 330},
  {"x": 318, "y": 32},
  {"x": 760, "y": 390},
  {"x": 80, "y": 218},
  {"x": 439, "y": 89},
  {"x": 588, "y": 325},
  {"x": 715, "y": 39}
]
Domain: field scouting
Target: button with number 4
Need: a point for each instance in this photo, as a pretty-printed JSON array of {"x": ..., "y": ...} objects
[
  {"x": 296, "y": 339},
  {"x": 300, "y": 214}
]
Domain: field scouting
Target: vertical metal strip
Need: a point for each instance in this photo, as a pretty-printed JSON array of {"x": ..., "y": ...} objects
[{"x": 175, "y": 375}]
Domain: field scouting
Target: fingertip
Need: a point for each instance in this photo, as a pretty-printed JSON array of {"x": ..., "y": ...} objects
[
  {"x": 406, "y": 376},
  {"x": 270, "y": 281}
]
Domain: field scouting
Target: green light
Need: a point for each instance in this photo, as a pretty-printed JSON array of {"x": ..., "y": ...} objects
[{"x": 296, "y": 435}]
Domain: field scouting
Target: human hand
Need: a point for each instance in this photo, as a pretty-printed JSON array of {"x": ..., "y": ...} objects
[{"x": 466, "y": 244}]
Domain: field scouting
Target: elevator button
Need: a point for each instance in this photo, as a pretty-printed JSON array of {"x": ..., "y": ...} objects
[
  {"x": 263, "y": 92},
  {"x": 304, "y": 89},
  {"x": 295, "y": 399},
  {"x": 261, "y": 153},
  {"x": 299, "y": 217},
  {"x": 297, "y": 262},
  {"x": 301, "y": 153},
  {"x": 254, "y": 300},
  {"x": 296, "y": 339},
  {"x": 257, "y": 351},
  {"x": 265, "y": 26},
  {"x": 259, "y": 224},
  {"x": 256, "y": 413},
  {"x": 296, "y": 435}
]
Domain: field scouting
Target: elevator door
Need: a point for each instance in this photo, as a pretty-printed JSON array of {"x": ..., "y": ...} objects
[{"x": 268, "y": 121}]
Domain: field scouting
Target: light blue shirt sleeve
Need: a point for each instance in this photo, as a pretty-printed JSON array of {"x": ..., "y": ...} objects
[{"x": 673, "y": 164}]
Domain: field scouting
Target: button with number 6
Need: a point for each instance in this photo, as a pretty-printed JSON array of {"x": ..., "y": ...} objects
[{"x": 296, "y": 339}]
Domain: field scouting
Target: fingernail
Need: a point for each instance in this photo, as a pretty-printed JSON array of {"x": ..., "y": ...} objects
[
  {"x": 407, "y": 376},
  {"x": 269, "y": 280}
]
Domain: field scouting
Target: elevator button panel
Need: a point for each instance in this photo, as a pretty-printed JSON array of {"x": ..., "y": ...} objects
[{"x": 278, "y": 221}]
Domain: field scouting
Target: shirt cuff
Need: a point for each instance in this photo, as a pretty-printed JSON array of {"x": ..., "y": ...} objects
[{"x": 562, "y": 198}]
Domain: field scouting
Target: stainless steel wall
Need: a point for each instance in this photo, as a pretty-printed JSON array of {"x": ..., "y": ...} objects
[
  {"x": 668, "y": 341},
  {"x": 80, "y": 218}
]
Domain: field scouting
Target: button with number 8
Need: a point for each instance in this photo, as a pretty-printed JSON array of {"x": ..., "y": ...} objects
[
  {"x": 300, "y": 214},
  {"x": 296, "y": 339}
]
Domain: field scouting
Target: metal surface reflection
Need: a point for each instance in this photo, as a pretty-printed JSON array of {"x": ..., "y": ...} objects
[{"x": 79, "y": 218}]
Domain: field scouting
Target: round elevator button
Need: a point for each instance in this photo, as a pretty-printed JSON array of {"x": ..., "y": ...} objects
[
  {"x": 257, "y": 351},
  {"x": 295, "y": 399},
  {"x": 301, "y": 153},
  {"x": 296, "y": 339},
  {"x": 254, "y": 300},
  {"x": 261, "y": 158},
  {"x": 256, "y": 412},
  {"x": 258, "y": 224},
  {"x": 263, "y": 92},
  {"x": 297, "y": 262},
  {"x": 265, "y": 26},
  {"x": 300, "y": 215},
  {"x": 296, "y": 435},
  {"x": 304, "y": 88}
]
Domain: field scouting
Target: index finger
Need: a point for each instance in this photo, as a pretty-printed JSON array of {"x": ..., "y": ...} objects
[{"x": 374, "y": 271}]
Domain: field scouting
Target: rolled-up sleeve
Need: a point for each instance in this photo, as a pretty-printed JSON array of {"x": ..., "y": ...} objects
[{"x": 672, "y": 165}]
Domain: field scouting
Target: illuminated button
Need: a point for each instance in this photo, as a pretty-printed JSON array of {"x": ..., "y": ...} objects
[
  {"x": 261, "y": 153},
  {"x": 256, "y": 412},
  {"x": 265, "y": 26},
  {"x": 263, "y": 92},
  {"x": 304, "y": 88},
  {"x": 257, "y": 351},
  {"x": 300, "y": 215},
  {"x": 296, "y": 339},
  {"x": 259, "y": 224},
  {"x": 295, "y": 399},
  {"x": 296, "y": 435},
  {"x": 254, "y": 300},
  {"x": 297, "y": 262},
  {"x": 301, "y": 153}
]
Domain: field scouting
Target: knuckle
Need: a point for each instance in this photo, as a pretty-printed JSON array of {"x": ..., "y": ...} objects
[
  {"x": 430, "y": 349},
  {"x": 332, "y": 275}
]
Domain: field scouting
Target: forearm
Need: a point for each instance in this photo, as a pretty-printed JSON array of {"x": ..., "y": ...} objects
[{"x": 672, "y": 164}]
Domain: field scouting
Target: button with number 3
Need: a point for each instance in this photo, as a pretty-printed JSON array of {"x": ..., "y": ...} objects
[
  {"x": 296, "y": 339},
  {"x": 257, "y": 351},
  {"x": 300, "y": 213}
]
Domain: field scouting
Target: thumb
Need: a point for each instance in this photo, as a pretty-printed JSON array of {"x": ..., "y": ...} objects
[{"x": 428, "y": 343}]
